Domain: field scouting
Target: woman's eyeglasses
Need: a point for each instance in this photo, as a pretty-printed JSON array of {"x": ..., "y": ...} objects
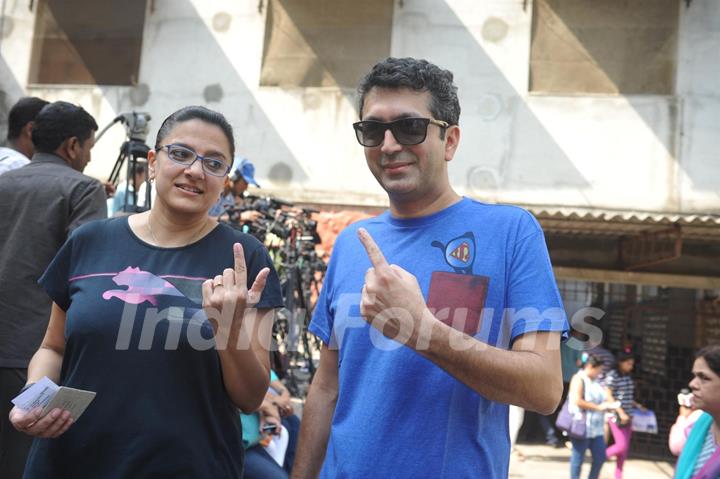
[
  {"x": 407, "y": 131},
  {"x": 186, "y": 157}
]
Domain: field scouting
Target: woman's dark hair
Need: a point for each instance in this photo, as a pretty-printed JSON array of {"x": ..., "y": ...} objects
[
  {"x": 59, "y": 121},
  {"x": 196, "y": 113},
  {"x": 623, "y": 356},
  {"x": 417, "y": 75},
  {"x": 591, "y": 360},
  {"x": 711, "y": 355}
]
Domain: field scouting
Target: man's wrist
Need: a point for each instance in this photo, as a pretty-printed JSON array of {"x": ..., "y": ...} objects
[{"x": 423, "y": 325}]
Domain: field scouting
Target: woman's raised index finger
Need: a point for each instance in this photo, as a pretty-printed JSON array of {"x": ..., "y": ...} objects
[{"x": 240, "y": 268}]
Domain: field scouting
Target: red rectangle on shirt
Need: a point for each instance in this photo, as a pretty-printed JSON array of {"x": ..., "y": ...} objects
[{"x": 462, "y": 295}]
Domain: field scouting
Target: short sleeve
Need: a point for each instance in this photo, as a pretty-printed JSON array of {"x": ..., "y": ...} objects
[
  {"x": 272, "y": 295},
  {"x": 533, "y": 300},
  {"x": 323, "y": 317},
  {"x": 55, "y": 279},
  {"x": 610, "y": 379}
]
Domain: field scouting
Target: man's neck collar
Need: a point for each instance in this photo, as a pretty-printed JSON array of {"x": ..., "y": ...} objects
[
  {"x": 50, "y": 158},
  {"x": 423, "y": 207},
  {"x": 21, "y": 147}
]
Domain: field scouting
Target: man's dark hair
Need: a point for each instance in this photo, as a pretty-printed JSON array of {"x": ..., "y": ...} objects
[
  {"x": 417, "y": 75},
  {"x": 59, "y": 121},
  {"x": 139, "y": 168},
  {"x": 22, "y": 113},
  {"x": 196, "y": 113},
  {"x": 711, "y": 355}
]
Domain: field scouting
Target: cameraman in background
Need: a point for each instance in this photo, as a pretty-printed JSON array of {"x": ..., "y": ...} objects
[
  {"x": 234, "y": 193},
  {"x": 129, "y": 192}
]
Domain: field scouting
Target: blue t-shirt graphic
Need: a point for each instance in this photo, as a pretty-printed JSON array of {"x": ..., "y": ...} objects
[
  {"x": 136, "y": 334},
  {"x": 484, "y": 269}
]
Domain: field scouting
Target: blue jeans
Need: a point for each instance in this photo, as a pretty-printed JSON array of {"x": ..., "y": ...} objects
[
  {"x": 548, "y": 429},
  {"x": 292, "y": 424},
  {"x": 259, "y": 465},
  {"x": 597, "y": 449}
]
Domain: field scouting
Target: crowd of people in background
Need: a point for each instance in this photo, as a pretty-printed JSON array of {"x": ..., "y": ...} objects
[{"x": 600, "y": 388}]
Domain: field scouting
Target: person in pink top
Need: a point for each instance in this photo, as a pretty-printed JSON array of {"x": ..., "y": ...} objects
[{"x": 680, "y": 431}]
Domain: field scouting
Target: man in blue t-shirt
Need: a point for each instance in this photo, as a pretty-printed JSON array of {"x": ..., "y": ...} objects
[{"x": 434, "y": 315}]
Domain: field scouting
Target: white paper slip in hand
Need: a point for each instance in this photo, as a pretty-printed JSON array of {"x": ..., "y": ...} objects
[
  {"x": 73, "y": 400},
  {"x": 37, "y": 395},
  {"x": 48, "y": 395}
]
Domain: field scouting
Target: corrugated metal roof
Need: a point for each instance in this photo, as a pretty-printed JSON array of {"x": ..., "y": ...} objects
[{"x": 606, "y": 222}]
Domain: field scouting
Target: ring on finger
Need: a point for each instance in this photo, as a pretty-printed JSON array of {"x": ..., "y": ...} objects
[{"x": 217, "y": 283}]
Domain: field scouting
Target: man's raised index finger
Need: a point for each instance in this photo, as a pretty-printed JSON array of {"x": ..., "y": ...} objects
[
  {"x": 373, "y": 251},
  {"x": 240, "y": 268}
]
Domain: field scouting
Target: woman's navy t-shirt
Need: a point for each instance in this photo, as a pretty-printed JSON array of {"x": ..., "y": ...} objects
[{"x": 136, "y": 334}]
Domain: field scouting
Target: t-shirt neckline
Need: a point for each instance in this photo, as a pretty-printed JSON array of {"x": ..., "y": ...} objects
[
  {"x": 135, "y": 237},
  {"x": 426, "y": 220}
]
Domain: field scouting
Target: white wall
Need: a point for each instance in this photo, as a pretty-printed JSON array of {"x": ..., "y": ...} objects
[{"x": 646, "y": 152}]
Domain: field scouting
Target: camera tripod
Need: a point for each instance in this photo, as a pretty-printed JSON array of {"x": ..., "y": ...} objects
[{"x": 133, "y": 151}]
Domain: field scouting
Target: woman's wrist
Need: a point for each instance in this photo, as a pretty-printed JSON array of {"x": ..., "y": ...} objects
[{"x": 26, "y": 387}]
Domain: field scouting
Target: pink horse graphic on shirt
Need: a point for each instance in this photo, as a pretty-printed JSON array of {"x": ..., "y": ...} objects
[{"x": 142, "y": 286}]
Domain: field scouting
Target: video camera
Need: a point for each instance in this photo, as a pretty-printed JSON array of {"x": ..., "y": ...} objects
[{"x": 134, "y": 151}]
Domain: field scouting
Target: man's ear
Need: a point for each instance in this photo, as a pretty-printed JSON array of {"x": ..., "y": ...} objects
[
  {"x": 26, "y": 131},
  {"x": 64, "y": 150},
  {"x": 73, "y": 147},
  {"x": 452, "y": 140}
]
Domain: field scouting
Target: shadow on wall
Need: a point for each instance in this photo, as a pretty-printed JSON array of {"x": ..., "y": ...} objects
[
  {"x": 612, "y": 47},
  {"x": 518, "y": 151},
  {"x": 207, "y": 76},
  {"x": 181, "y": 64},
  {"x": 10, "y": 92},
  {"x": 649, "y": 52},
  {"x": 496, "y": 120},
  {"x": 308, "y": 44}
]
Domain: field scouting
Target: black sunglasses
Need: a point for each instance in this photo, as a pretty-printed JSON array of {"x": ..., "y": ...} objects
[{"x": 407, "y": 131}]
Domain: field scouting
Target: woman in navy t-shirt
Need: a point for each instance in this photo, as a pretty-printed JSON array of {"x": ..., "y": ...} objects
[{"x": 167, "y": 316}]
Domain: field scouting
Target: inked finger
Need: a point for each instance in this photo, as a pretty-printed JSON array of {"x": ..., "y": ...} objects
[
  {"x": 240, "y": 268},
  {"x": 373, "y": 251}
]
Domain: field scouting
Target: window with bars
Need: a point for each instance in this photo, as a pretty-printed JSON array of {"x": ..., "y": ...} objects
[{"x": 576, "y": 291}]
